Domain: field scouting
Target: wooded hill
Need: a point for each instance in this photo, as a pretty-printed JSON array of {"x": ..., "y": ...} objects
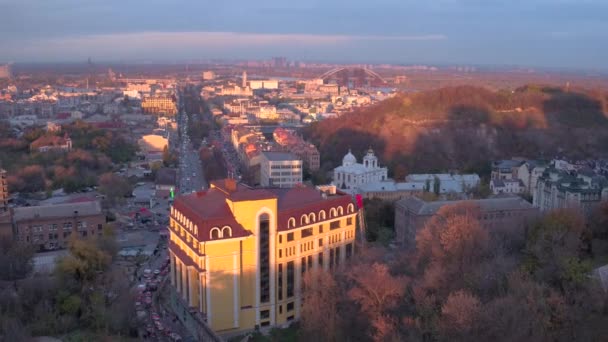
[{"x": 464, "y": 127}]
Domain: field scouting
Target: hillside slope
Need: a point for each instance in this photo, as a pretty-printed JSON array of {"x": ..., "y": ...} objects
[{"x": 465, "y": 127}]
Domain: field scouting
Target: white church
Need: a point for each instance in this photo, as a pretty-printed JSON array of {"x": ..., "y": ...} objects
[{"x": 351, "y": 174}]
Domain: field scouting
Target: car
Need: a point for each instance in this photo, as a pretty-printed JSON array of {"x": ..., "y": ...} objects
[
  {"x": 156, "y": 272},
  {"x": 155, "y": 316}
]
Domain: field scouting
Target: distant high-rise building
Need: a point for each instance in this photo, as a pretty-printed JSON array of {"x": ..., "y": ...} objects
[
  {"x": 6, "y": 225},
  {"x": 3, "y": 192},
  {"x": 279, "y": 62},
  {"x": 5, "y": 71},
  {"x": 111, "y": 75},
  {"x": 244, "y": 85},
  {"x": 208, "y": 75}
]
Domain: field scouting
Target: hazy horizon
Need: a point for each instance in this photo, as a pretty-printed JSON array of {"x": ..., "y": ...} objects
[{"x": 537, "y": 33}]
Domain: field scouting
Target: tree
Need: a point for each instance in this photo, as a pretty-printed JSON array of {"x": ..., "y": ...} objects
[
  {"x": 436, "y": 186},
  {"x": 114, "y": 187},
  {"x": 554, "y": 249},
  {"x": 450, "y": 245},
  {"x": 320, "y": 315},
  {"x": 15, "y": 259},
  {"x": 375, "y": 289},
  {"x": 459, "y": 315},
  {"x": 84, "y": 263},
  {"x": 598, "y": 222},
  {"x": 33, "y": 178}
]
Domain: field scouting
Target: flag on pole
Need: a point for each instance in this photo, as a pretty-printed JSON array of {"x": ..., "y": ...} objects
[{"x": 359, "y": 199}]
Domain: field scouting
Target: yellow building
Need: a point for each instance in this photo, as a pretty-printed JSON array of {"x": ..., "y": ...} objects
[
  {"x": 159, "y": 105},
  {"x": 238, "y": 254}
]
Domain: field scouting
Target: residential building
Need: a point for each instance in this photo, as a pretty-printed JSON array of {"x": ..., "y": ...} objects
[
  {"x": 238, "y": 254},
  {"x": 6, "y": 227},
  {"x": 5, "y": 71},
  {"x": 496, "y": 214},
  {"x": 505, "y": 169},
  {"x": 558, "y": 188},
  {"x": 352, "y": 175},
  {"x": 507, "y": 186},
  {"x": 164, "y": 105},
  {"x": 389, "y": 190},
  {"x": 280, "y": 169},
  {"x": 208, "y": 75},
  {"x": 295, "y": 144},
  {"x": 445, "y": 183},
  {"x": 263, "y": 84},
  {"x": 52, "y": 143},
  {"x": 529, "y": 172},
  {"x": 50, "y": 227}
]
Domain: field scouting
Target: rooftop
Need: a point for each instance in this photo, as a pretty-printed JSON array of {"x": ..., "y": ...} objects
[
  {"x": 421, "y": 207},
  {"x": 58, "y": 210},
  {"x": 279, "y": 156},
  {"x": 212, "y": 207}
]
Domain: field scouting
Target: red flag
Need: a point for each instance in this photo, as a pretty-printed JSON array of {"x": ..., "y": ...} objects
[{"x": 359, "y": 199}]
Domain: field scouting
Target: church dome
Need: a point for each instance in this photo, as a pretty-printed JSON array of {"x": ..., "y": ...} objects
[{"x": 349, "y": 159}]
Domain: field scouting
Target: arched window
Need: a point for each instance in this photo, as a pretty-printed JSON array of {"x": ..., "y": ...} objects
[
  {"x": 226, "y": 231},
  {"x": 340, "y": 211},
  {"x": 350, "y": 208},
  {"x": 304, "y": 220},
  {"x": 195, "y": 230},
  {"x": 215, "y": 233},
  {"x": 322, "y": 215},
  {"x": 312, "y": 217},
  {"x": 291, "y": 223},
  {"x": 172, "y": 211},
  {"x": 332, "y": 213}
]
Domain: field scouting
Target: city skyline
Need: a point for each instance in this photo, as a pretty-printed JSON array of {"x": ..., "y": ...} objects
[{"x": 536, "y": 33}]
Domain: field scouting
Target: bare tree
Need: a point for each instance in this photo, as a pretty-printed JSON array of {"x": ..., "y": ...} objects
[{"x": 320, "y": 317}]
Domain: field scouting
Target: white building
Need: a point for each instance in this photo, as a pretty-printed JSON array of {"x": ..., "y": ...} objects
[
  {"x": 558, "y": 188},
  {"x": 351, "y": 175},
  {"x": 263, "y": 84},
  {"x": 447, "y": 183},
  {"x": 507, "y": 186},
  {"x": 280, "y": 169},
  {"x": 529, "y": 173}
]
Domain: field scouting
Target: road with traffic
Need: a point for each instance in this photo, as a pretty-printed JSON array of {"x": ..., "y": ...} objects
[{"x": 190, "y": 173}]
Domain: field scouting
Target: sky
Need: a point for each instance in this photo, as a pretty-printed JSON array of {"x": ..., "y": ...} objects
[{"x": 537, "y": 33}]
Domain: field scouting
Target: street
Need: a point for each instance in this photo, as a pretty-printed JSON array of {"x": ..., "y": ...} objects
[{"x": 190, "y": 173}]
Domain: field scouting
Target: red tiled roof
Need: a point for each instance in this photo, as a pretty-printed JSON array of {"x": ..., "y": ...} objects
[
  {"x": 208, "y": 209},
  {"x": 48, "y": 140}
]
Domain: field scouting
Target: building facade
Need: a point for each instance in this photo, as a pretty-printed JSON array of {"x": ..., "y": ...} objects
[
  {"x": 238, "y": 254},
  {"x": 507, "y": 186},
  {"x": 352, "y": 175},
  {"x": 445, "y": 183},
  {"x": 6, "y": 227},
  {"x": 159, "y": 105},
  {"x": 294, "y": 143},
  {"x": 390, "y": 190},
  {"x": 52, "y": 143},
  {"x": 507, "y": 213},
  {"x": 50, "y": 227},
  {"x": 280, "y": 169},
  {"x": 557, "y": 188}
]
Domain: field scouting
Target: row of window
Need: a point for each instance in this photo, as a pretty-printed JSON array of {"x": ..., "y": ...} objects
[
  {"x": 278, "y": 173},
  {"x": 312, "y": 217},
  {"x": 54, "y": 226},
  {"x": 279, "y": 167}
]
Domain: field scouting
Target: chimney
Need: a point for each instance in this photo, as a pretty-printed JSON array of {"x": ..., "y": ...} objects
[{"x": 230, "y": 184}]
